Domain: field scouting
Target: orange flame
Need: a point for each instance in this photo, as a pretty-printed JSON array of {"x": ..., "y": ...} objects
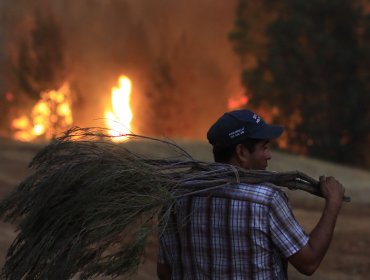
[
  {"x": 237, "y": 102},
  {"x": 51, "y": 114},
  {"x": 119, "y": 118}
]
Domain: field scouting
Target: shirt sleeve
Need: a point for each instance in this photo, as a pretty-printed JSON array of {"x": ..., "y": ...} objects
[{"x": 286, "y": 233}]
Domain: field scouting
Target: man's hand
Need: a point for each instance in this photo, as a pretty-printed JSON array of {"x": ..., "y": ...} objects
[{"x": 333, "y": 191}]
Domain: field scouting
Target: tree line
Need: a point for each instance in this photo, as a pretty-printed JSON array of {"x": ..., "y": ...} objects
[{"x": 307, "y": 64}]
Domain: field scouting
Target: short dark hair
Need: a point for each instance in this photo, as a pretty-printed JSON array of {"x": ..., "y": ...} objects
[{"x": 224, "y": 154}]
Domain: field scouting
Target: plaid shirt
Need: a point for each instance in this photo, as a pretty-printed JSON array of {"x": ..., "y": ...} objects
[{"x": 237, "y": 232}]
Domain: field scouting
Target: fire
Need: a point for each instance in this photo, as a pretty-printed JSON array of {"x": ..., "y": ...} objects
[
  {"x": 51, "y": 115},
  {"x": 237, "y": 102},
  {"x": 119, "y": 117}
]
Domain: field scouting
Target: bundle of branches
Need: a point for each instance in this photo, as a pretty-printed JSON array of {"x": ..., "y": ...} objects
[{"x": 90, "y": 204}]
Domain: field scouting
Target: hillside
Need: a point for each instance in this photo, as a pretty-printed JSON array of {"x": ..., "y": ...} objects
[{"x": 348, "y": 257}]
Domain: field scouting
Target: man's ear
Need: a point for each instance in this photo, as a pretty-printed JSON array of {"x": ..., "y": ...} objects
[{"x": 242, "y": 155}]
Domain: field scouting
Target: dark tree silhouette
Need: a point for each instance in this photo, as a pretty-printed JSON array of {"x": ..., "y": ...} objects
[
  {"x": 312, "y": 65},
  {"x": 40, "y": 65}
]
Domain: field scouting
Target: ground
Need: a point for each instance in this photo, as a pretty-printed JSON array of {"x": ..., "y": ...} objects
[
  {"x": 349, "y": 253},
  {"x": 348, "y": 256}
]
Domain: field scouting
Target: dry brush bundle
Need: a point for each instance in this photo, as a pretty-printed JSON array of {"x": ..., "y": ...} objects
[{"x": 91, "y": 204}]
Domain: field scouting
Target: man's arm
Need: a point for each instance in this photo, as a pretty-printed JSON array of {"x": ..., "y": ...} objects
[
  {"x": 163, "y": 271},
  {"x": 308, "y": 259}
]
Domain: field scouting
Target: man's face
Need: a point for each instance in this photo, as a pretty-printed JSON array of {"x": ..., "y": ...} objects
[{"x": 259, "y": 157}]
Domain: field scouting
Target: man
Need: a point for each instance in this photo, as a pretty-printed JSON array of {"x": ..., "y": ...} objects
[{"x": 244, "y": 231}]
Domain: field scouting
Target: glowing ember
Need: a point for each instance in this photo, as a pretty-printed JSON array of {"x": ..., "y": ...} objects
[
  {"x": 119, "y": 118},
  {"x": 9, "y": 96},
  {"x": 21, "y": 123},
  {"x": 51, "y": 115},
  {"x": 237, "y": 103}
]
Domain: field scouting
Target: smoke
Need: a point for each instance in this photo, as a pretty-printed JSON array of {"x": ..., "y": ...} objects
[{"x": 177, "y": 54}]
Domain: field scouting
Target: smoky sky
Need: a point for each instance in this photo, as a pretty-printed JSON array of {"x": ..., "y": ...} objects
[{"x": 176, "y": 52}]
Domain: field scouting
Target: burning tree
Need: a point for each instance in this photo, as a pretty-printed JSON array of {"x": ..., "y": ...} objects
[
  {"x": 41, "y": 94},
  {"x": 310, "y": 63},
  {"x": 50, "y": 115}
]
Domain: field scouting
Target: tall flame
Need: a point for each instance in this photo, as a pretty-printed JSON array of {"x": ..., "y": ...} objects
[
  {"x": 51, "y": 115},
  {"x": 119, "y": 118}
]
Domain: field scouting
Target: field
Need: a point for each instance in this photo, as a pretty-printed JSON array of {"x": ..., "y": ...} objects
[{"x": 348, "y": 256}]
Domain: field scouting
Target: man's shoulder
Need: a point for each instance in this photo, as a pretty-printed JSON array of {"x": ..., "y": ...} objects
[
  {"x": 263, "y": 191},
  {"x": 254, "y": 193}
]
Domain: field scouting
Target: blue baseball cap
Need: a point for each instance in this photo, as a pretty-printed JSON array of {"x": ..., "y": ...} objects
[{"x": 236, "y": 126}]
